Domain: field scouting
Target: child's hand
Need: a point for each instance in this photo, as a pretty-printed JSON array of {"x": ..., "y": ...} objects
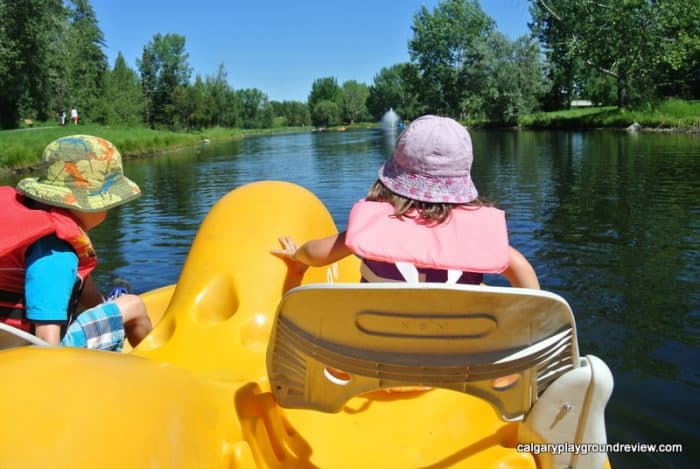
[
  {"x": 290, "y": 249},
  {"x": 296, "y": 268},
  {"x": 288, "y": 254}
]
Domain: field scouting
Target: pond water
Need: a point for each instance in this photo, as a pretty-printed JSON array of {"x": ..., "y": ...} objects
[{"x": 610, "y": 221}]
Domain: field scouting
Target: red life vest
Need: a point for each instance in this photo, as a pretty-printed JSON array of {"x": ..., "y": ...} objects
[
  {"x": 22, "y": 227},
  {"x": 471, "y": 240}
]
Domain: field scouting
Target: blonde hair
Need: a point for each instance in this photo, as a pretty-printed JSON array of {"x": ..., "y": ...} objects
[{"x": 426, "y": 212}]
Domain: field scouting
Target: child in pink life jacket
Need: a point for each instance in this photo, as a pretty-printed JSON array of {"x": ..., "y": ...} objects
[{"x": 422, "y": 220}]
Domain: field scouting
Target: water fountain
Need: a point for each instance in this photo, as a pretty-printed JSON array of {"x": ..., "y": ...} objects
[{"x": 390, "y": 119}]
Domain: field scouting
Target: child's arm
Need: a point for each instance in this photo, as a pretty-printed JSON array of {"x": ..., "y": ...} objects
[
  {"x": 50, "y": 273},
  {"x": 50, "y": 333},
  {"x": 317, "y": 252},
  {"x": 520, "y": 272}
]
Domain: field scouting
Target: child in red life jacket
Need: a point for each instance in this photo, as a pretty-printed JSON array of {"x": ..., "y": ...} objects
[
  {"x": 46, "y": 256},
  {"x": 422, "y": 220}
]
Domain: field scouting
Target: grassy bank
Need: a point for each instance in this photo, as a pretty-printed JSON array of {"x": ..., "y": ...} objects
[
  {"x": 668, "y": 115},
  {"x": 21, "y": 149}
]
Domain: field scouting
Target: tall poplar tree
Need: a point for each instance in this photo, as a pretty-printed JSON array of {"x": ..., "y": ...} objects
[
  {"x": 29, "y": 32},
  {"x": 123, "y": 97},
  {"x": 163, "y": 68},
  {"x": 85, "y": 61}
]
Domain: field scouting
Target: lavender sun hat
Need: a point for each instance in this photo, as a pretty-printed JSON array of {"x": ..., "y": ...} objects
[{"x": 432, "y": 162}]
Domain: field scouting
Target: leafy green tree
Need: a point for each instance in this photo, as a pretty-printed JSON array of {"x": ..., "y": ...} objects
[
  {"x": 255, "y": 111},
  {"x": 122, "y": 102},
  {"x": 28, "y": 33},
  {"x": 163, "y": 68},
  {"x": 292, "y": 113},
  {"x": 192, "y": 106},
  {"x": 563, "y": 68},
  {"x": 678, "y": 68},
  {"x": 326, "y": 113},
  {"x": 324, "y": 89},
  {"x": 615, "y": 38},
  {"x": 85, "y": 60},
  {"x": 505, "y": 79},
  {"x": 441, "y": 45},
  {"x": 396, "y": 88},
  {"x": 354, "y": 101},
  {"x": 223, "y": 99}
]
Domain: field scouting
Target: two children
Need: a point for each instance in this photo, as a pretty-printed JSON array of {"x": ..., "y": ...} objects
[
  {"x": 422, "y": 219},
  {"x": 46, "y": 256}
]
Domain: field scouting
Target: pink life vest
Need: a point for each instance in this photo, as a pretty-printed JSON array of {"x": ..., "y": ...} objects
[{"x": 471, "y": 240}]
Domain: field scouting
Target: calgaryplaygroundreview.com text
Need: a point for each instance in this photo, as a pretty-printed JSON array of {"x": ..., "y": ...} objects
[{"x": 586, "y": 448}]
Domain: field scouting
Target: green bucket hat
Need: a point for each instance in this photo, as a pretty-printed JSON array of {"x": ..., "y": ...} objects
[{"x": 81, "y": 172}]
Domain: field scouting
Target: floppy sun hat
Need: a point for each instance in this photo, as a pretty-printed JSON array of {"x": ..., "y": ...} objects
[
  {"x": 432, "y": 162},
  {"x": 81, "y": 172}
]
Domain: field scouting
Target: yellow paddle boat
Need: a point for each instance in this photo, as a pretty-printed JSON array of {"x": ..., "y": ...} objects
[{"x": 331, "y": 374}]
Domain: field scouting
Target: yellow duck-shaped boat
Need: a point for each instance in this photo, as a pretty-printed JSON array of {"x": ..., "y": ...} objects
[{"x": 333, "y": 374}]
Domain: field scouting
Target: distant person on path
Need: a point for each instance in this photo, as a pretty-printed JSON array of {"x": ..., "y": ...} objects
[
  {"x": 422, "y": 220},
  {"x": 74, "y": 116},
  {"x": 46, "y": 260},
  {"x": 62, "y": 117}
]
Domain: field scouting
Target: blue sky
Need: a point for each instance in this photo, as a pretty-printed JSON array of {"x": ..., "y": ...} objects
[{"x": 282, "y": 46}]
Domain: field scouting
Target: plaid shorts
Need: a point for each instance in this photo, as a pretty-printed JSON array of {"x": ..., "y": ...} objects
[{"x": 99, "y": 328}]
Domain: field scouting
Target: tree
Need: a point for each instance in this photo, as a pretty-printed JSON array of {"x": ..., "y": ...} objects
[
  {"x": 163, "y": 68},
  {"x": 85, "y": 61},
  {"x": 192, "y": 106},
  {"x": 292, "y": 113},
  {"x": 255, "y": 111},
  {"x": 29, "y": 32},
  {"x": 122, "y": 102},
  {"x": 441, "y": 44},
  {"x": 395, "y": 88},
  {"x": 324, "y": 89},
  {"x": 223, "y": 99},
  {"x": 619, "y": 39},
  {"x": 354, "y": 99},
  {"x": 504, "y": 79},
  {"x": 678, "y": 67},
  {"x": 325, "y": 113}
]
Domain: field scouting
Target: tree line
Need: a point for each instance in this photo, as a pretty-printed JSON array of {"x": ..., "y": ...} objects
[{"x": 608, "y": 51}]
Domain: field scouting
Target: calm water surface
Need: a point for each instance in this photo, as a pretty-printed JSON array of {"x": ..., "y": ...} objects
[{"x": 609, "y": 220}]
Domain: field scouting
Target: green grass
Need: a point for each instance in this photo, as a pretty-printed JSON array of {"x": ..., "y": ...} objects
[
  {"x": 669, "y": 114},
  {"x": 21, "y": 149}
]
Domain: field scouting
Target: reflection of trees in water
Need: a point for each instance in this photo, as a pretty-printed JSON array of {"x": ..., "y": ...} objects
[
  {"x": 620, "y": 236},
  {"x": 610, "y": 222},
  {"x": 345, "y": 143},
  {"x": 617, "y": 233}
]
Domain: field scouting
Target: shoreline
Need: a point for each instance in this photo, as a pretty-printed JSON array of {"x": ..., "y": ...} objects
[{"x": 21, "y": 169}]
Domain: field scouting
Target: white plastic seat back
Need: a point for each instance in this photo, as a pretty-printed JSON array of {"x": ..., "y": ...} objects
[
  {"x": 332, "y": 342},
  {"x": 12, "y": 337}
]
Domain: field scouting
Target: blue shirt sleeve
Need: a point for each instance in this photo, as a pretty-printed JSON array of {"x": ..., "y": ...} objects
[{"x": 51, "y": 273}]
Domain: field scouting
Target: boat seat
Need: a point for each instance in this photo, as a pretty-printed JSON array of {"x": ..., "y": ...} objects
[
  {"x": 11, "y": 337},
  {"x": 508, "y": 346}
]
